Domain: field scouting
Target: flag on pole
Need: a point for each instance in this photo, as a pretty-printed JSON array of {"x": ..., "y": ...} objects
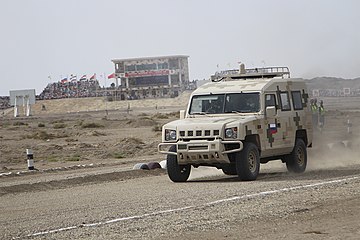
[
  {"x": 93, "y": 77},
  {"x": 64, "y": 80},
  {"x": 83, "y": 78},
  {"x": 73, "y": 78},
  {"x": 111, "y": 76}
]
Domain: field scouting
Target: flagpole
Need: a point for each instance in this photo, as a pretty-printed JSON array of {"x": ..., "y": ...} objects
[
  {"x": 104, "y": 76},
  {"x": 77, "y": 87},
  {"x": 116, "y": 88},
  {"x": 49, "y": 77},
  {"x": 106, "y": 110},
  {"x": 97, "y": 85}
]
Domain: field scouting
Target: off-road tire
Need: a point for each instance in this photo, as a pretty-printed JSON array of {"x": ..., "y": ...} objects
[
  {"x": 229, "y": 169},
  {"x": 176, "y": 172},
  {"x": 296, "y": 161},
  {"x": 248, "y": 162}
]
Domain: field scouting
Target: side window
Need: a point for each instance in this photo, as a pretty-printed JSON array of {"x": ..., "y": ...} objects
[
  {"x": 285, "y": 101},
  {"x": 270, "y": 100},
  {"x": 296, "y": 98}
]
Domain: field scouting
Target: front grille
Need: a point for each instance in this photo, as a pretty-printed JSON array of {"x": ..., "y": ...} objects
[
  {"x": 198, "y": 138},
  {"x": 199, "y": 133},
  {"x": 182, "y": 146},
  {"x": 198, "y": 147}
]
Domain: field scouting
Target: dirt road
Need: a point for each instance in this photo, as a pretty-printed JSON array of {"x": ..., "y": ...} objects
[{"x": 316, "y": 205}]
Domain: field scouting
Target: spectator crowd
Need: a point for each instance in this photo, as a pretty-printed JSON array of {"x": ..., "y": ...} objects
[
  {"x": 73, "y": 89},
  {"x": 86, "y": 88},
  {"x": 4, "y": 102}
]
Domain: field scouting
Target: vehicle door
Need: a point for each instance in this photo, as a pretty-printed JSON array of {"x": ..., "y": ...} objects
[{"x": 276, "y": 125}]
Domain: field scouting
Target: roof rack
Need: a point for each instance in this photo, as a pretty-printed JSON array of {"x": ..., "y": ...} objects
[{"x": 242, "y": 73}]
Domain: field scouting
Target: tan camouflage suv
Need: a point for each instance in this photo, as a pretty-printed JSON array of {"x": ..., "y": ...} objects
[{"x": 240, "y": 119}]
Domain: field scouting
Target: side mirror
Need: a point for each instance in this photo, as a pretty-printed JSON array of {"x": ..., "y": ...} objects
[
  {"x": 182, "y": 114},
  {"x": 270, "y": 111}
]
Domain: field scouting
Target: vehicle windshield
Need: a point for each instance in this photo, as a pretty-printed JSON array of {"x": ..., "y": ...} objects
[{"x": 225, "y": 103}]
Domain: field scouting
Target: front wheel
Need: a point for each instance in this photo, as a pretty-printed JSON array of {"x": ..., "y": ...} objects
[
  {"x": 248, "y": 162},
  {"x": 229, "y": 169},
  {"x": 176, "y": 172},
  {"x": 296, "y": 161}
]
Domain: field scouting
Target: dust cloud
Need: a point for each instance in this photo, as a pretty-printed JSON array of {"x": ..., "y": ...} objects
[
  {"x": 203, "y": 172},
  {"x": 332, "y": 155},
  {"x": 336, "y": 146}
]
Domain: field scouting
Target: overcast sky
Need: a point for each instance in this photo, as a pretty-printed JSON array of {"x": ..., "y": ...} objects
[{"x": 41, "y": 38}]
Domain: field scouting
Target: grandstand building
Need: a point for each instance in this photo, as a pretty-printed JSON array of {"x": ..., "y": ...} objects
[{"x": 151, "y": 77}]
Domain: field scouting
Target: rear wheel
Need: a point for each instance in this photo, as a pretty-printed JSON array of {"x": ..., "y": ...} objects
[
  {"x": 248, "y": 162},
  {"x": 296, "y": 161},
  {"x": 176, "y": 172}
]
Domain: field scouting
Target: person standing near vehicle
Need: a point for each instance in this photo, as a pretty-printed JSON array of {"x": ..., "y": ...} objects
[
  {"x": 321, "y": 115},
  {"x": 315, "y": 113}
]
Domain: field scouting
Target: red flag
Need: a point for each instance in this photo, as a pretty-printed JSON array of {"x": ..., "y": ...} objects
[
  {"x": 93, "y": 77},
  {"x": 111, "y": 76}
]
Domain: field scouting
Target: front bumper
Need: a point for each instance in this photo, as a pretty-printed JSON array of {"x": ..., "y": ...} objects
[{"x": 201, "y": 151}]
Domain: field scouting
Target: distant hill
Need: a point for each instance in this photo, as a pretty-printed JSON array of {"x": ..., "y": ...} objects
[
  {"x": 333, "y": 87},
  {"x": 321, "y": 83},
  {"x": 333, "y": 83}
]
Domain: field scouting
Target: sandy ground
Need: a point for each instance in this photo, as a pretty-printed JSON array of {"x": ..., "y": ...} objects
[
  {"x": 61, "y": 136},
  {"x": 84, "y": 151}
]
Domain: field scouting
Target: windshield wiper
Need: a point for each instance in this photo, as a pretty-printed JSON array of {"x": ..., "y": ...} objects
[
  {"x": 233, "y": 111},
  {"x": 243, "y": 111},
  {"x": 199, "y": 113}
]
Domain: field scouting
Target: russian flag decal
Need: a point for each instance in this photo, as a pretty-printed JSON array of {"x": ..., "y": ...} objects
[{"x": 273, "y": 128}]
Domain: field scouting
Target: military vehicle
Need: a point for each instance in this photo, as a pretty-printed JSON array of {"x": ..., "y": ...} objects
[{"x": 238, "y": 120}]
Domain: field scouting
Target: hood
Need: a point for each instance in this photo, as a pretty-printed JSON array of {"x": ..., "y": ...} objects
[{"x": 205, "y": 122}]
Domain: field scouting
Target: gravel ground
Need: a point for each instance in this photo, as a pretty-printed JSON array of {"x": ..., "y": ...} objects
[{"x": 136, "y": 207}]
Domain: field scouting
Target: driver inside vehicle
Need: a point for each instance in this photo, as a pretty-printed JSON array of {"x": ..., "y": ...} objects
[{"x": 215, "y": 106}]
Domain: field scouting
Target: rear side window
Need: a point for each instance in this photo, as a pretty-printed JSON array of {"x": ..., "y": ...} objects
[
  {"x": 296, "y": 98},
  {"x": 285, "y": 101}
]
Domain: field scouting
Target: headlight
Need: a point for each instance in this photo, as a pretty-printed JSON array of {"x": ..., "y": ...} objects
[
  {"x": 170, "y": 135},
  {"x": 231, "y": 132}
]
